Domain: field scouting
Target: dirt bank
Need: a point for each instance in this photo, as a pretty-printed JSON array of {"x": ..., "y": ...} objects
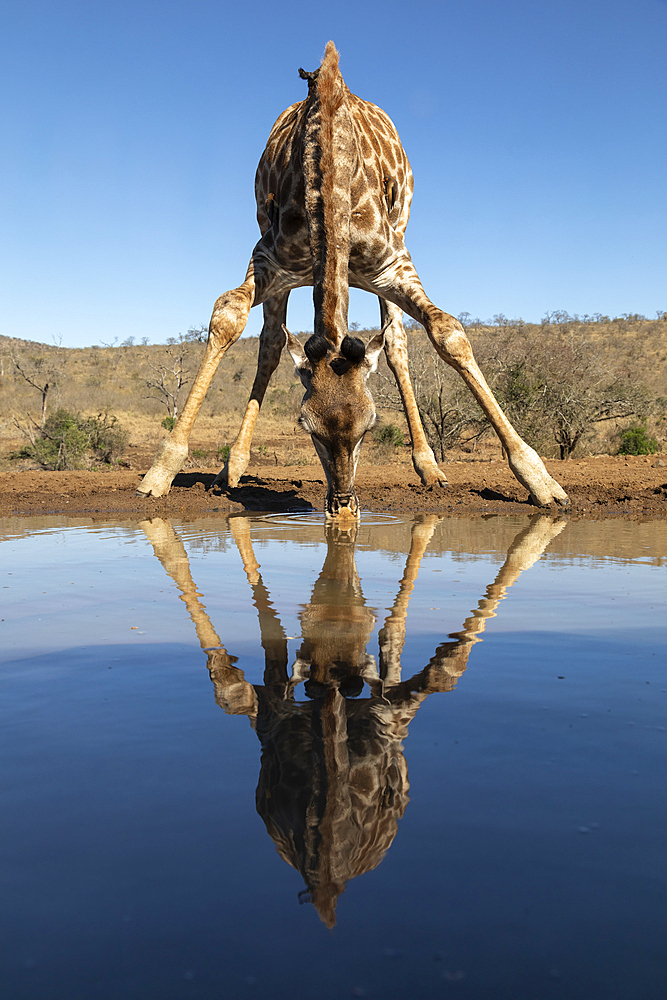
[{"x": 625, "y": 487}]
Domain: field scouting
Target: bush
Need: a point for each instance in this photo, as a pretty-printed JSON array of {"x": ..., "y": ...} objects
[
  {"x": 108, "y": 440},
  {"x": 168, "y": 423},
  {"x": 390, "y": 436},
  {"x": 558, "y": 385},
  {"x": 635, "y": 441},
  {"x": 67, "y": 440}
]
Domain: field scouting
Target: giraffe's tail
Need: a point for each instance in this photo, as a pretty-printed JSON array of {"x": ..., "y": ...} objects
[{"x": 328, "y": 158}]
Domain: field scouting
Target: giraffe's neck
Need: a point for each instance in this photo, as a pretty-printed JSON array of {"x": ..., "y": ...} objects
[{"x": 328, "y": 161}]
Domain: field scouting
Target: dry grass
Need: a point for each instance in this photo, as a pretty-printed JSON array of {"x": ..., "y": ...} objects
[{"x": 93, "y": 380}]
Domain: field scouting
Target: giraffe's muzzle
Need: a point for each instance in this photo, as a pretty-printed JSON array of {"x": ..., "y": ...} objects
[{"x": 342, "y": 505}]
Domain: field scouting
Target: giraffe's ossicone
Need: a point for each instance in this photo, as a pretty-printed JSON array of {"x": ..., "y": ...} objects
[{"x": 333, "y": 190}]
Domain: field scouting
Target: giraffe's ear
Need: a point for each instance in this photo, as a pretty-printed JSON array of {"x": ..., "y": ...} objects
[
  {"x": 301, "y": 362},
  {"x": 373, "y": 349}
]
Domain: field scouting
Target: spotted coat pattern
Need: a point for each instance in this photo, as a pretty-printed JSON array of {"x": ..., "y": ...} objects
[
  {"x": 334, "y": 188},
  {"x": 381, "y": 188}
]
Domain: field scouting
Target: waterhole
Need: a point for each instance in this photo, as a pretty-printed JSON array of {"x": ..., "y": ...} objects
[{"x": 261, "y": 757}]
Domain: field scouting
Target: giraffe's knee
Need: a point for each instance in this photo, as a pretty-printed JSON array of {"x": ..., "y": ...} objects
[
  {"x": 230, "y": 314},
  {"x": 450, "y": 341}
]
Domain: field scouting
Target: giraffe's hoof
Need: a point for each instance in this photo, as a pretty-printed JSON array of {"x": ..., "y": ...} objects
[
  {"x": 153, "y": 491},
  {"x": 167, "y": 463},
  {"x": 232, "y": 470},
  {"x": 433, "y": 480},
  {"x": 225, "y": 478},
  {"x": 557, "y": 500},
  {"x": 428, "y": 471},
  {"x": 531, "y": 472},
  {"x": 156, "y": 483}
]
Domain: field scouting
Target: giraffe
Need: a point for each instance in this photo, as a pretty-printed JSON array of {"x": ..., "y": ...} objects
[
  {"x": 333, "y": 780},
  {"x": 333, "y": 190}
]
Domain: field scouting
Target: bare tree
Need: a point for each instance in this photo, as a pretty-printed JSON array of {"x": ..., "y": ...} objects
[
  {"x": 42, "y": 373},
  {"x": 556, "y": 382},
  {"x": 449, "y": 414},
  {"x": 557, "y": 386},
  {"x": 169, "y": 379},
  {"x": 194, "y": 335}
]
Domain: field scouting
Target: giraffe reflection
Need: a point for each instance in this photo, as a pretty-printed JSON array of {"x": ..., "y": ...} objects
[{"x": 333, "y": 782}]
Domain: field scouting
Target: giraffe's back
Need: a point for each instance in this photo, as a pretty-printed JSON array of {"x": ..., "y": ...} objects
[{"x": 380, "y": 189}]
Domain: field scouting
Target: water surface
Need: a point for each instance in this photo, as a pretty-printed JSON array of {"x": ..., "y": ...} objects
[{"x": 253, "y": 757}]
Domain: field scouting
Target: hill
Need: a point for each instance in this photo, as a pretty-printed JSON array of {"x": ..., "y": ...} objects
[{"x": 138, "y": 383}]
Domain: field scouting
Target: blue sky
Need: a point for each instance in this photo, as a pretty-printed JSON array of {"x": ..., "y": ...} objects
[{"x": 130, "y": 135}]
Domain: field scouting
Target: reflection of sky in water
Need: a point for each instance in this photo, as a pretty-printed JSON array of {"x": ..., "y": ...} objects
[{"x": 530, "y": 859}]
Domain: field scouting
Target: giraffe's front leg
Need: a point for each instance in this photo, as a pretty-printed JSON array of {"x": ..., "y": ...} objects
[
  {"x": 271, "y": 343},
  {"x": 400, "y": 283},
  {"x": 453, "y": 346},
  {"x": 396, "y": 349},
  {"x": 230, "y": 315}
]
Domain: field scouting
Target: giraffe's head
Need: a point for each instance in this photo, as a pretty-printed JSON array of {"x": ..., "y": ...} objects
[{"x": 337, "y": 408}]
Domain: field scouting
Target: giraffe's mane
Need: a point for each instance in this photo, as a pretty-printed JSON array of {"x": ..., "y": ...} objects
[
  {"x": 330, "y": 89},
  {"x": 326, "y": 183}
]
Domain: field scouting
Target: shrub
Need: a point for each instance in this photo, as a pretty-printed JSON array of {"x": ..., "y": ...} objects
[
  {"x": 168, "y": 423},
  {"x": 390, "y": 436},
  {"x": 558, "y": 385},
  {"x": 635, "y": 441},
  {"x": 223, "y": 452},
  {"x": 108, "y": 439},
  {"x": 67, "y": 439}
]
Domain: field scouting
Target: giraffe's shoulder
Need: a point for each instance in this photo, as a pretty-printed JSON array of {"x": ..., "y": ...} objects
[
  {"x": 373, "y": 115},
  {"x": 286, "y": 122}
]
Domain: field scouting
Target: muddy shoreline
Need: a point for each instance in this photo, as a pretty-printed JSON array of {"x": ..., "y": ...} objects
[{"x": 632, "y": 487}]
